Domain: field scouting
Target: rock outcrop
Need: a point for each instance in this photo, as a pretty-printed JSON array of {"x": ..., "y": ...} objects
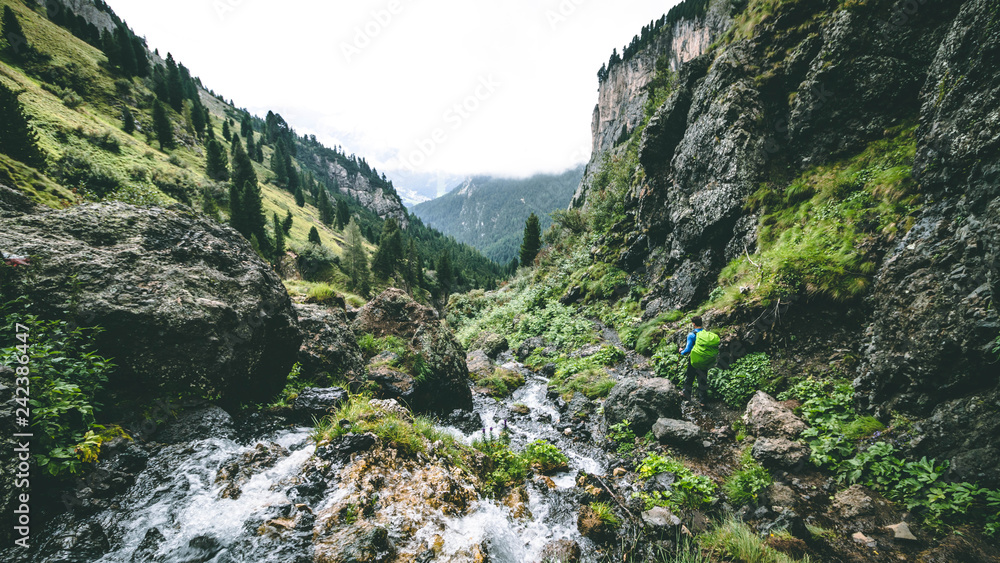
[
  {"x": 329, "y": 348},
  {"x": 642, "y": 401},
  {"x": 186, "y": 305},
  {"x": 435, "y": 378}
]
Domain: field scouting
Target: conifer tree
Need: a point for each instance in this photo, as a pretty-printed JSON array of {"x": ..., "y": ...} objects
[
  {"x": 162, "y": 126},
  {"x": 325, "y": 209},
  {"x": 314, "y": 236},
  {"x": 17, "y": 42},
  {"x": 532, "y": 241},
  {"x": 126, "y": 55},
  {"x": 198, "y": 118},
  {"x": 445, "y": 275},
  {"x": 390, "y": 250},
  {"x": 216, "y": 161},
  {"x": 279, "y": 241},
  {"x": 18, "y": 139},
  {"x": 141, "y": 58},
  {"x": 175, "y": 89},
  {"x": 246, "y": 126},
  {"x": 286, "y": 225},
  {"x": 278, "y": 165},
  {"x": 245, "y": 179},
  {"x": 251, "y": 148},
  {"x": 343, "y": 214},
  {"x": 356, "y": 260},
  {"x": 235, "y": 141},
  {"x": 226, "y": 133},
  {"x": 237, "y": 218},
  {"x": 128, "y": 121},
  {"x": 300, "y": 198},
  {"x": 411, "y": 273}
]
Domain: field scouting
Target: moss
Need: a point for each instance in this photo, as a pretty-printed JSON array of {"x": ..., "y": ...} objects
[{"x": 501, "y": 382}]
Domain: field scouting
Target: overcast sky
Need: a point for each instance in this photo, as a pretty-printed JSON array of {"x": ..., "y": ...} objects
[{"x": 455, "y": 87}]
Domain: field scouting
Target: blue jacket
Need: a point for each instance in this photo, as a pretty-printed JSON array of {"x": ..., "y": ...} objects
[{"x": 691, "y": 338}]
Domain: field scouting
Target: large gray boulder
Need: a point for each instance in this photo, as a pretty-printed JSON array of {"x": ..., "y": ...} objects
[
  {"x": 676, "y": 432},
  {"x": 329, "y": 350},
  {"x": 767, "y": 417},
  {"x": 642, "y": 401},
  {"x": 186, "y": 304},
  {"x": 441, "y": 383}
]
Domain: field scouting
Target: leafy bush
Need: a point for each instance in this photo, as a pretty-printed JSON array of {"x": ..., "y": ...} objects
[
  {"x": 650, "y": 332},
  {"x": 76, "y": 169},
  {"x": 66, "y": 376},
  {"x": 321, "y": 293},
  {"x": 501, "y": 382},
  {"x": 688, "y": 490},
  {"x": 622, "y": 434},
  {"x": 742, "y": 486},
  {"x": 506, "y": 468},
  {"x": 545, "y": 457},
  {"x": 593, "y": 382},
  {"x": 315, "y": 261},
  {"x": 737, "y": 384}
]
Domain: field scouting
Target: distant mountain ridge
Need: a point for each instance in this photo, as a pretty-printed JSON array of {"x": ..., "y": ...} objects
[{"x": 488, "y": 213}]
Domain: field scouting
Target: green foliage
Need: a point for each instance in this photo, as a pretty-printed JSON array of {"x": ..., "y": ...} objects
[
  {"x": 607, "y": 195},
  {"x": 649, "y": 333},
  {"x": 78, "y": 169},
  {"x": 314, "y": 261},
  {"x": 506, "y": 468},
  {"x": 356, "y": 260},
  {"x": 545, "y": 457},
  {"x": 744, "y": 377},
  {"x": 293, "y": 385},
  {"x": 735, "y": 540},
  {"x": 162, "y": 126},
  {"x": 216, "y": 161},
  {"x": 605, "y": 514},
  {"x": 688, "y": 490},
  {"x": 408, "y": 437},
  {"x": 743, "y": 485},
  {"x": 622, "y": 434},
  {"x": 66, "y": 376},
  {"x": 314, "y": 236},
  {"x": 833, "y": 438},
  {"x": 388, "y": 258}
]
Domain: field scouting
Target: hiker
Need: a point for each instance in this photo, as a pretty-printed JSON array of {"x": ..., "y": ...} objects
[{"x": 702, "y": 349}]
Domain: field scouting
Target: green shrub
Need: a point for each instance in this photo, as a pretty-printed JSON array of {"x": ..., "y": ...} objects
[
  {"x": 745, "y": 377},
  {"x": 688, "y": 490},
  {"x": 622, "y": 434},
  {"x": 545, "y": 457},
  {"x": 506, "y": 468},
  {"x": 742, "y": 486},
  {"x": 76, "y": 169},
  {"x": 650, "y": 332},
  {"x": 593, "y": 382},
  {"x": 321, "y": 293},
  {"x": 735, "y": 540},
  {"x": 501, "y": 382},
  {"x": 66, "y": 376}
]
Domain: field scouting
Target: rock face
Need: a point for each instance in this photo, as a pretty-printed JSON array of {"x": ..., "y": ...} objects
[
  {"x": 383, "y": 200},
  {"x": 329, "y": 348},
  {"x": 780, "y": 453},
  {"x": 186, "y": 304},
  {"x": 766, "y": 417},
  {"x": 642, "y": 401},
  {"x": 444, "y": 386},
  {"x": 313, "y": 402}
]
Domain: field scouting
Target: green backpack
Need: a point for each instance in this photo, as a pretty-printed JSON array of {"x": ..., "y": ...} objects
[{"x": 706, "y": 348}]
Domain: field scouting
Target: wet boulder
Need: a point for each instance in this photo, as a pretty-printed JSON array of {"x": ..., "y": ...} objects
[
  {"x": 195, "y": 424},
  {"x": 237, "y": 472},
  {"x": 767, "y": 417},
  {"x": 491, "y": 343},
  {"x": 312, "y": 402},
  {"x": 329, "y": 350},
  {"x": 561, "y": 551},
  {"x": 529, "y": 346},
  {"x": 433, "y": 375},
  {"x": 186, "y": 305},
  {"x": 642, "y": 401},
  {"x": 677, "y": 432}
]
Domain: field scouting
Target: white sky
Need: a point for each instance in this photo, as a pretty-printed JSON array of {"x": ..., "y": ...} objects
[{"x": 525, "y": 70}]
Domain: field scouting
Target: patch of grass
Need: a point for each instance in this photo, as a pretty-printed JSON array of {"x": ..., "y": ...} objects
[
  {"x": 593, "y": 382},
  {"x": 501, "y": 383},
  {"x": 545, "y": 457},
  {"x": 606, "y": 514},
  {"x": 391, "y": 427},
  {"x": 650, "y": 333},
  {"x": 688, "y": 491},
  {"x": 733, "y": 539},
  {"x": 818, "y": 233}
]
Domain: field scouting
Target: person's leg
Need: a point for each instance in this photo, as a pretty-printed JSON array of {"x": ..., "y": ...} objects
[
  {"x": 702, "y": 385},
  {"x": 688, "y": 380}
]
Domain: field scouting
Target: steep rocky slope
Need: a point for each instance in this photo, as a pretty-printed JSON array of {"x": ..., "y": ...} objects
[{"x": 795, "y": 93}]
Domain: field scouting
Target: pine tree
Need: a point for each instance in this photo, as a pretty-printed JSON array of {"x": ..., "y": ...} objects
[
  {"x": 410, "y": 272},
  {"x": 445, "y": 276},
  {"x": 141, "y": 58},
  {"x": 17, "y": 41},
  {"x": 286, "y": 225},
  {"x": 17, "y": 138},
  {"x": 251, "y": 148},
  {"x": 343, "y": 214},
  {"x": 356, "y": 260},
  {"x": 216, "y": 161},
  {"x": 246, "y": 126},
  {"x": 128, "y": 121},
  {"x": 245, "y": 179},
  {"x": 278, "y": 165},
  {"x": 325, "y": 209},
  {"x": 279, "y": 241},
  {"x": 226, "y": 133},
  {"x": 237, "y": 219},
  {"x": 175, "y": 88},
  {"x": 390, "y": 250},
  {"x": 300, "y": 198},
  {"x": 162, "y": 126},
  {"x": 532, "y": 241},
  {"x": 198, "y": 118},
  {"x": 314, "y": 236},
  {"x": 235, "y": 141},
  {"x": 126, "y": 56}
]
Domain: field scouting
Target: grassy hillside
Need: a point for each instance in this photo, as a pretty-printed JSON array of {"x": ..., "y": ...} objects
[
  {"x": 75, "y": 99},
  {"x": 489, "y": 213}
]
